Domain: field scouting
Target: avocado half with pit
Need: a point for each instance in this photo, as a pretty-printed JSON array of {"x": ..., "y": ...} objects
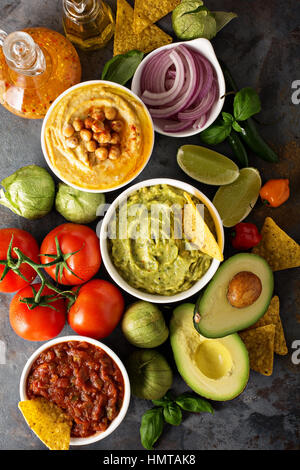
[
  {"x": 238, "y": 295},
  {"x": 217, "y": 369}
]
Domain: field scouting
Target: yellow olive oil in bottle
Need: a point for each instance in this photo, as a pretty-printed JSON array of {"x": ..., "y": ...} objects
[{"x": 89, "y": 24}]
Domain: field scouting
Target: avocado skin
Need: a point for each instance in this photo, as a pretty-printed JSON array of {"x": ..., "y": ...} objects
[
  {"x": 196, "y": 313},
  {"x": 268, "y": 288}
]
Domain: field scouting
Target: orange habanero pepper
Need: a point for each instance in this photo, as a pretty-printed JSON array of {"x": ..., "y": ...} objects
[{"x": 275, "y": 192}]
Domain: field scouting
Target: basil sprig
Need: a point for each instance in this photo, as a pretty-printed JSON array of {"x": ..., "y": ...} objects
[
  {"x": 194, "y": 404},
  {"x": 169, "y": 410},
  {"x": 172, "y": 414},
  {"x": 121, "y": 67},
  {"x": 246, "y": 103},
  {"x": 152, "y": 426}
]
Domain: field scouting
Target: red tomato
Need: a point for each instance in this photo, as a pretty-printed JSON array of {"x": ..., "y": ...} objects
[
  {"x": 73, "y": 237},
  {"x": 97, "y": 309},
  {"x": 40, "y": 323},
  {"x": 28, "y": 245}
]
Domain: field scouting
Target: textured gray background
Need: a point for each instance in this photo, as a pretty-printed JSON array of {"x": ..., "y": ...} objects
[{"x": 262, "y": 49}]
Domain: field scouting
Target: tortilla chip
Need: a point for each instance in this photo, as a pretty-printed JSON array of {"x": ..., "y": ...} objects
[
  {"x": 153, "y": 10},
  {"x": 126, "y": 40},
  {"x": 272, "y": 317},
  {"x": 260, "y": 345},
  {"x": 278, "y": 249},
  {"x": 199, "y": 233},
  {"x": 51, "y": 425}
]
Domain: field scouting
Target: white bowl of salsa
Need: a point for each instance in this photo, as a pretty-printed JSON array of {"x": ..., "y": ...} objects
[{"x": 113, "y": 364}]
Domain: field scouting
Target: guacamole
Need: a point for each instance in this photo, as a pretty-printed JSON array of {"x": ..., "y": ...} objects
[{"x": 150, "y": 250}]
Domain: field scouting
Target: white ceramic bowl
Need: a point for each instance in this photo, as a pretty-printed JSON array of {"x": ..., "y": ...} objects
[
  {"x": 81, "y": 441},
  {"x": 113, "y": 271},
  {"x": 82, "y": 85},
  {"x": 206, "y": 49}
]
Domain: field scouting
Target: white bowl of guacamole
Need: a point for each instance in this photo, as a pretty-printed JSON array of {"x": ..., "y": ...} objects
[{"x": 144, "y": 248}]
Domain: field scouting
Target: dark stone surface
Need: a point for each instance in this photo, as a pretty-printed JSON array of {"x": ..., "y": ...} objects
[{"x": 262, "y": 49}]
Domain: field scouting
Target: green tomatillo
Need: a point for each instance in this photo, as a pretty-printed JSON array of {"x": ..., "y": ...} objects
[{"x": 149, "y": 373}]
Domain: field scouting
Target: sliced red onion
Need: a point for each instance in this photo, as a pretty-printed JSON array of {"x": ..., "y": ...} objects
[
  {"x": 202, "y": 108},
  {"x": 209, "y": 75},
  {"x": 180, "y": 87},
  {"x": 148, "y": 78},
  {"x": 200, "y": 122},
  {"x": 164, "y": 67},
  {"x": 201, "y": 80},
  {"x": 182, "y": 100},
  {"x": 169, "y": 83},
  {"x": 171, "y": 73},
  {"x": 177, "y": 126},
  {"x": 155, "y": 99}
]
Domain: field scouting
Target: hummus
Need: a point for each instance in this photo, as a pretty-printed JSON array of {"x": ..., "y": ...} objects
[
  {"x": 82, "y": 168},
  {"x": 150, "y": 254}
]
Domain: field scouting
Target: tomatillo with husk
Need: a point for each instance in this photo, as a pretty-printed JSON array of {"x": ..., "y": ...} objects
[
  {"x": 149, "y": 373},
  {"x": 144, "y": 325}
]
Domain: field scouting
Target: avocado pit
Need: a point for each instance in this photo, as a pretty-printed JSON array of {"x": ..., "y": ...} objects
[{"x": 244, "y": 289}]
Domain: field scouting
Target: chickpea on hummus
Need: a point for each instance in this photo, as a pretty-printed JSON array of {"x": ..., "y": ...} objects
[
  {"x": 153, "y": 254},
  {"x": 98, "y": 136}
]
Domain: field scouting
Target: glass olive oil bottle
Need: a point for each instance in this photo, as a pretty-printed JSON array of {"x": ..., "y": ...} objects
[
  {"x": 36, "y": 65},
  {"x": 89, "y": 24}
]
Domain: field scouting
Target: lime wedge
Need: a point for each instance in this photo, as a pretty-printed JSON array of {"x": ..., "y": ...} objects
[
  {"x": 206, "y": 166},
  {"x": 236, "y": 200}
]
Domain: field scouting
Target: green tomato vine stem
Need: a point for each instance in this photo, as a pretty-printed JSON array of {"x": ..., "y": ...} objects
[
  {"x": 59, "y": 260},
  {"x": 39, "y": 269}
]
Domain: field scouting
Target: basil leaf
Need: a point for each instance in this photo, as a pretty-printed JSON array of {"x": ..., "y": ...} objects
[
  {"x": 164, "y": 401},
  {"x": 121, "y": 68},
  {"x": 191, "y": 20},
  {"x": 246, "y": 103},
  {"x": 151, "y": 427},
  {"x": 161, "y": 402},
  {"x": 237, "y": 127},
  {"x": 172, "y": 414},
  {"x": 222, "y": 18},
  {"x": 194, "y": 404},
  {"x": 216, "y": 133},
  {"x": 227, "y": 117}
]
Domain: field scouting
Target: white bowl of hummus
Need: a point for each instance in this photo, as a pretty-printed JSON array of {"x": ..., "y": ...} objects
[
  {"x": 142, "y": 245},
  {"x": 97, "y": 136}
]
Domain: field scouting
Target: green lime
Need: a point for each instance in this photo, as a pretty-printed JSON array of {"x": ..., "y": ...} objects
[
  {"x": 236, "y": 200},
  {"x": 206, "y": 166}
]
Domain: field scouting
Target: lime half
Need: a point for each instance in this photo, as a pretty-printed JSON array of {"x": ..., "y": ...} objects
[
  {"x": 236, "y": 200},
  {"x": 207, "y": 166}
]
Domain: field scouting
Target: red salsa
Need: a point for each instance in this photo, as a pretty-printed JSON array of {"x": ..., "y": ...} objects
[{"x": 83, "y": 380}]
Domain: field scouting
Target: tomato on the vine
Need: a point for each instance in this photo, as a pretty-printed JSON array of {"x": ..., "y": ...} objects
[
  {"x": 13, "y": 282},
  {"x": 80, "y": 250},
  {"x": 41, "y": 323},
  {"x": 97, "y": 309}
]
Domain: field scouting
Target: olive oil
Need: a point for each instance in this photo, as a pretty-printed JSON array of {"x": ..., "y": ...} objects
[{"x": 89, "y": 24}]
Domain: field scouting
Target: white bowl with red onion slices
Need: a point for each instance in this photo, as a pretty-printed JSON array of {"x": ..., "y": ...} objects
[{"x": 183, "y": 87}]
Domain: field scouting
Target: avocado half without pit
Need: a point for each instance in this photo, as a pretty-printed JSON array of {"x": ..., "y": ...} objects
[
  {"x": 217, "y": 369},
  {"x": 237, "y": 297}
]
